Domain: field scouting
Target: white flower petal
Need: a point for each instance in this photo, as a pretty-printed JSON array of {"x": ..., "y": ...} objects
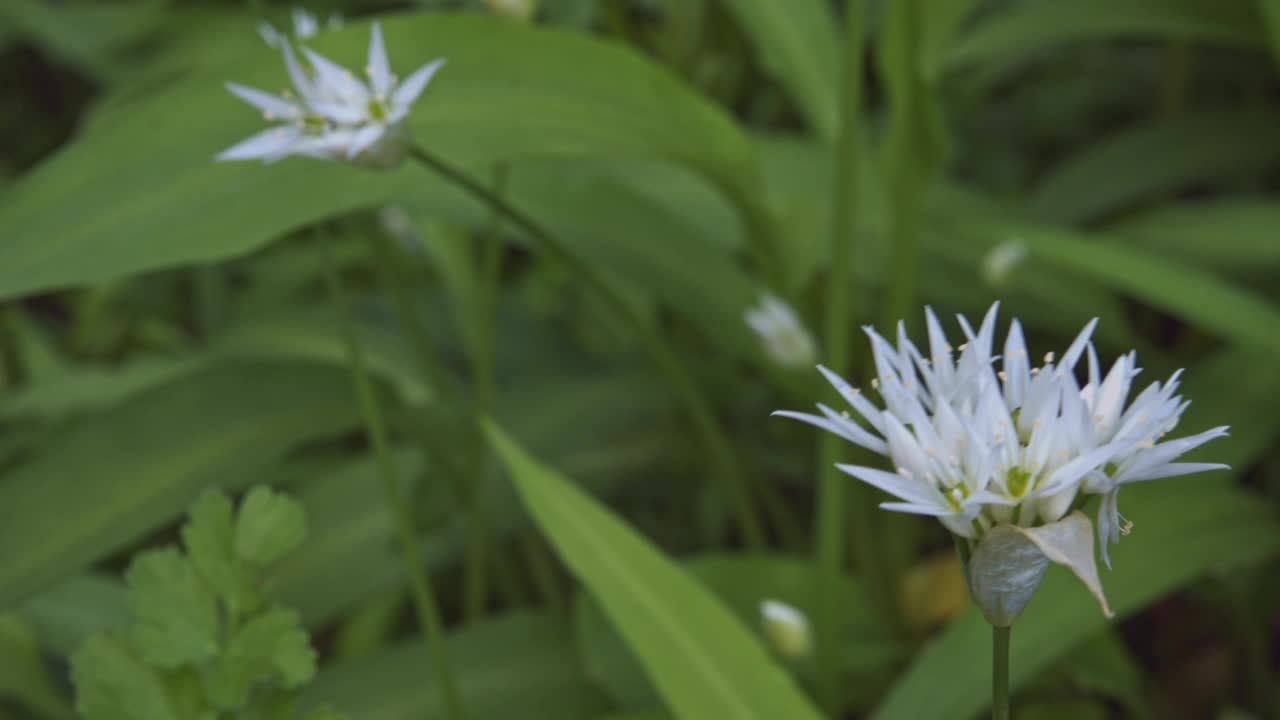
[
  {"x": 364, "y": 138},
  {"x": 412, "y": 87},
  {"x": 909, "y": 489},
  {"x": 272, "y": 107},
  {"x": 335, "y": 81},
  {"x": 379, "y": 68},
  {"x": 268, "y": 145}
]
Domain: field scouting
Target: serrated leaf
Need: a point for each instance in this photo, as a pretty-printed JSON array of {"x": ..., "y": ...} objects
[
  {"x": 112, "y": 683},
  {"x": 209, "y": 537},
  {"x": 271, "y": 647},
  {"x": 177, "y": 614},
  {"x": 268, "y": 527}
]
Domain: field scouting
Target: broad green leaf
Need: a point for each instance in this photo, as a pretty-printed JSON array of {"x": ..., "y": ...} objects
[
  {"x": 66, "y": 614},
  {"x": 1183, "y": 528},
  {"x": 522, "y": 663},
  {"x": 1102, "y": 664},
  {"x": 1199, "y": 298},
  {"x": 1234, "y": 234},
  {"x": 1235, "y": 387},
  {"x": 26, "y": 677},
  {"x": 1028, "y": 27},
  {"x": 1144, "y": 162},
  {"x": 148, "y": 195},
  {"x": 112, "y": 683},
  {"x": 269, "y": 647},
  {"x": 269, "y": 525},
  {"x": 129, "y": 470},
  {"x": 1271, "y": 14},
  {"x": 358, "y": 532},
  {"x": 208, "y": 538},
  {"x": 796, "y": 42},
  {"x": 699, "y": 656},
  {"x": 742, "y": 582},
  {"x": 176, "y": 611},
  {"x": 86, "y": 35}
]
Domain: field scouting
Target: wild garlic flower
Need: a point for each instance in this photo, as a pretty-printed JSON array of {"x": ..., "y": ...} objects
[
  {"x": 785, "y": 339},
  {"x": 975, "y": 446},
  {"x": 334, "y": 115},
  {"x": 1003, "y": 457},
  {"x": 305, "y": 27}
]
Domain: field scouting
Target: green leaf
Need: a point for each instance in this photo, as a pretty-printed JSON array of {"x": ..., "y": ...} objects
[
  {"x": 1155, "y": 159},
  {"x": 796, "y": 42},
  {"x": 139, "y": 177},
  {"x": 268, "y": 527},
  {"x": 522, "y": 663},
  {"x": 702, "y": 660},
  {"x": 325, "y": 713},
  {"x": 65, "y": 615},
  {"x": 208, "y": 538},
  {"x": 130, "y": 469},
  {"x": 1235, "y": 234},
  {"x": 1183, "y": 528},
  {"x": 270, "y": 647},
  {"x": 1196, "y": 297},
  {"x": 1028, "y": 27},
  {"x": 175, "y": 610},
  {"x": 26, "y": 676},
  {"x": 112, "y": 683},
  {"x": 742, "y": 582}
]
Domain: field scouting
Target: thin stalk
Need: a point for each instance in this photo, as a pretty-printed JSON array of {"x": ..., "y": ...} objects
[
  {"x": 832, "y": 488},
  {"x": 483, "y": 351},
  {"x": 419, "y": 584},
  {"x": 1000, "y": 673},
  {"x": 733, "y": 483},
  {"x": 475, "y": 580},
  {"x": 391, "y": 261}
]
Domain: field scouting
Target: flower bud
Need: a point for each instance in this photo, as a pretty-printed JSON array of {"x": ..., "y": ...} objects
[
  {"x": 1009, "y": 562},
  {"x": 787, "y": 629}
]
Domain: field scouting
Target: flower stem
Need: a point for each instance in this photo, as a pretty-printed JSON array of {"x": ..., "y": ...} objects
[
  {"x": 419, "y": 584},
  {"x": 832, "y": 488},
  {"x": 732, "y": 481},
  {"x": 1000, "y": 673}
]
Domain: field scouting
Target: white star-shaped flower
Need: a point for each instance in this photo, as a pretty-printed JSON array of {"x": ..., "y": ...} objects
[{"x": 334, "y": 114}]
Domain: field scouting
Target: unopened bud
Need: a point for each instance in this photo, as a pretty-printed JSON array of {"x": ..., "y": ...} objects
[{"x": 787, "y": 629}]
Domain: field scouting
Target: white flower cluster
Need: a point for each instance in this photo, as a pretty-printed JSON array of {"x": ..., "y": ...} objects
[
  {"x": 975, "y": 446},
  {"x": 784, "y": 337},
  {"x": 334, "y": 115}
]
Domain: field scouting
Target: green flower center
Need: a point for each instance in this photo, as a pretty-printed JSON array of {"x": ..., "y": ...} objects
[{"x": 1017, "y": 481}]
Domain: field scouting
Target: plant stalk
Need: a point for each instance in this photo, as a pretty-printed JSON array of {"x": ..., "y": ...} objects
[
  {"x": 733, "y": 483},
  {"x": 1000, "y": 673},
  {"x": 833, "y": 489},
  {"x": 419, "y": 584}
]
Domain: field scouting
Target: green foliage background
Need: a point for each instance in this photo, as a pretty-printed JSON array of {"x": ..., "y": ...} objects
[{"x": 165, "y": 329}]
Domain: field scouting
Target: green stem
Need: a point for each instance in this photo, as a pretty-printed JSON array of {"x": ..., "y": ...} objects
[
  {"x": 832, "y": 487},
  {"x": 484, "y": 322},
  {"x": 724, "y": 462},
  {"x": 419, "y": 584},
  {"x": 1000, "y": 673},
  {"x": 391, "y": 263}
]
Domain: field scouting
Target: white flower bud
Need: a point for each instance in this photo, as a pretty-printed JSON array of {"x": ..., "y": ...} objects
[
  {"x": 1002, "y": 260},
  {"x": 784, "y": 337},
  {"x": 787, "y": 629}
]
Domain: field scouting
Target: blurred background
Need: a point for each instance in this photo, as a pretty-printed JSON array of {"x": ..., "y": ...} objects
[{"x": 165, "y": 327}]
